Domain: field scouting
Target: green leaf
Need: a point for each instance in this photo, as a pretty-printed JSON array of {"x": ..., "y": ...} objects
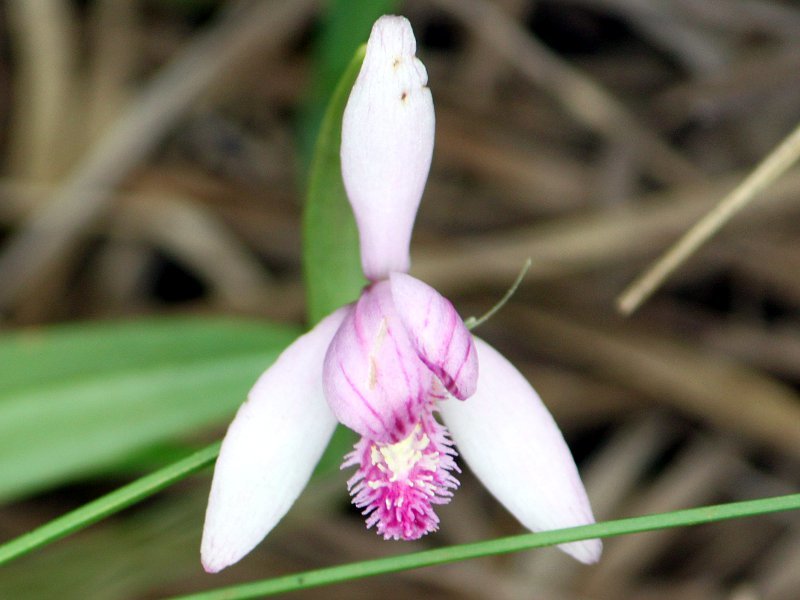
[
  {"x": 77, "y": 399},
  {"x": 517, "y": 543},
  {"x": 331, "y": 262}
]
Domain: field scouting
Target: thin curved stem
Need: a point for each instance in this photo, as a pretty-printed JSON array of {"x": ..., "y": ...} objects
[
  {"x": 109, "y": 504},
  {"x": 517, "y": 543}
]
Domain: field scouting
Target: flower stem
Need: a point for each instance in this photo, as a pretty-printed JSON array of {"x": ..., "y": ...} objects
[{"x": 473, "y": 322}]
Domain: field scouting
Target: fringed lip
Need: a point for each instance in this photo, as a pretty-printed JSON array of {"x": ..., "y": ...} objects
[{"x": 398, "y": 485}]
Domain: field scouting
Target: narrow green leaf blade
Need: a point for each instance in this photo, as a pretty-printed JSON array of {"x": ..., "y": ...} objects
[
  {"x": 107, "y": 505},
  {"x": 76, "y": 400},
  {"x": 55, "y": 353},
  {"x": 331, "y": 262}
]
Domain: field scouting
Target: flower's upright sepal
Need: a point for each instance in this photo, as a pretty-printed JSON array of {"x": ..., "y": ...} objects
[
  {"x": 270, "y": 450},
  {"x": 374, "y": 381},
  {"x": 513, "y": 445},
  {"x": 387, "y": 144},
  {"x": 438, "y": 334}
]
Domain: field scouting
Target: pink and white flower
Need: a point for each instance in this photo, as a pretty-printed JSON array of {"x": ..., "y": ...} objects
[{"x": 386, "y": 365}]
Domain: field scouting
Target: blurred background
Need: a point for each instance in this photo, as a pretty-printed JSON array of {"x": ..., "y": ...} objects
[{"x": 154, "y": 158}]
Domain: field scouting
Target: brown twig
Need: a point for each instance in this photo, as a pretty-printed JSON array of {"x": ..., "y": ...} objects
[
  {"x": 34, "y": 249},
  {"x": 770, "y": 169},
  {"x": 579, "y": 95},
  {"x": 43, "y": 36}
]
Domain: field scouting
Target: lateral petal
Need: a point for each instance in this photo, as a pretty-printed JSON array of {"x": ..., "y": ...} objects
[
  {"x": 270, "y": 449},
  {"x": 374, "y": 381},
  {"x": 437, "y": 333},
  {"x": 512, "y": 444},
  {"x": 387, "y": 144}
]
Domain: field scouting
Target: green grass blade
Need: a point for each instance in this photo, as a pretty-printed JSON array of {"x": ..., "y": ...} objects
[
  {"x": 107, "y": 505},
  {"x": 331, "y": 262},
  {"x": 403, "y": 562}
]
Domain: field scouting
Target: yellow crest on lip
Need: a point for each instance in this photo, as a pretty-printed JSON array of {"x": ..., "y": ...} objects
[{"x": 398, "y": 459}]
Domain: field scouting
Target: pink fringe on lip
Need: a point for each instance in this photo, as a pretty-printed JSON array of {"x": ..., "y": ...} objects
[{"x": 400, "y": 503}]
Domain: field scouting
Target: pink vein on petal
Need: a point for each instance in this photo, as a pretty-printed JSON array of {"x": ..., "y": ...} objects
[
  {"x": 463, "y": 362},
  {"x": 361, "y": 397},
  {"x": 453, "y": 324}
]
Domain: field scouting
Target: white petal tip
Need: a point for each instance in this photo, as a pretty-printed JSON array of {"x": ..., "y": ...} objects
[
  {"x": 214, "y": 562},
  {"x": 211, "y": 568},
  {"x": 394, "y": 34},
  {"x": 588, "y": 552},
  {"x": 219, "y": 551}
]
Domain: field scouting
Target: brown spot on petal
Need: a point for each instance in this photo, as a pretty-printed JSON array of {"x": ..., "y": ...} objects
[{"x": 372, "y": 374}]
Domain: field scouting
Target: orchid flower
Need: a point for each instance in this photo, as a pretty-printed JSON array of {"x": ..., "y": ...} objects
[{"x": 385, "y": 365}]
